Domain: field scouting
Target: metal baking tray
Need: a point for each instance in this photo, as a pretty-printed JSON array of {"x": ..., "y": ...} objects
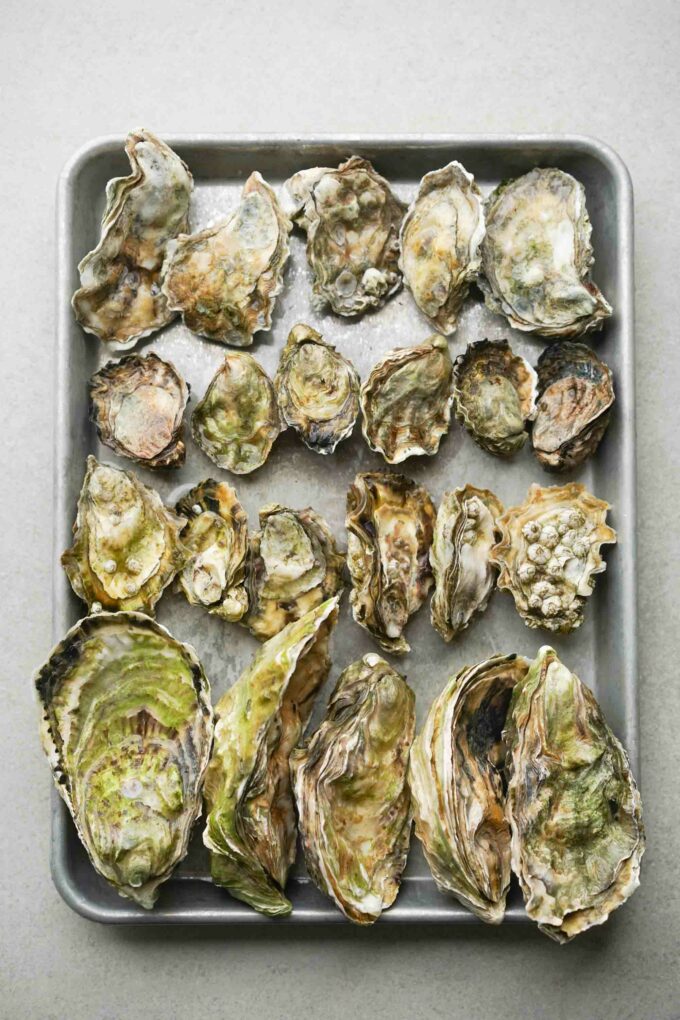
[{"x": 602, "y": 652}]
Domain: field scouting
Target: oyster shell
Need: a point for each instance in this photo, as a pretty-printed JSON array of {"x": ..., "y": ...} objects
[
  {"x": 537, "y": 256},
  {"x": 406, "y": 400},
  {"x": 463, "y": 575},
  {"x": 237, "y": 421},
  {"x": 251, "y": 830},
  {"x": 576, "y": 394},
  {"x": 351, "y": 790},
  {"x": 126, "y": 547},
  {"x": 294, "y": 566},
  {"x": 352, "y": 222},
  {"x": 127, "y": 727},
  {"x": 440, "y": 238},
  {"x": 120, "y": 299},
  {"x": 225, "y": 279},
  {"x": 317, "y": 390},
  {"x": 138, "y": 405},
  {"x": 216, "y": 538},
  {"x": 457, "y": 790},
  {"x": 549, "y": 552},
  {"x": 390, "y": 521},
  {"x": 573, "y": 806},
  {"x": 495, "y": 395}
]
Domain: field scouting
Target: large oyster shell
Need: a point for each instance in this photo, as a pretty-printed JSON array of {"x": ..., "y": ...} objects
[
  {"x": 127, "y": 728},
  {"x": 120, "y": 299},
  {"x": 225, "y": 279},
  {"x": 351, "y": 790},
  {"x": 537, "y": 256}
]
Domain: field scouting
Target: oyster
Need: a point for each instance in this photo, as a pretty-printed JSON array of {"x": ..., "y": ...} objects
[
  {"x": 576, "y": 394},
  {"x": 537, "y": 256},
  {"x": 120, "y": 299},
  {"x": 549, "y": 552},
  {"x": 351, "y": 790},
  {"x": 441, "y": 236},
  {"x": 138, "y": 405},
  {"x": 573, "y": 806},
  {"x": 317, "y": 390},
  {"x": 457, "y": 786},
  {"x": 216, "y": 538},
  {"x": 459, "y": 556},
  {"x": 237, "y": 420},
  {"x": 406, "y": 400},
  {"x": 390, "y": 521},
  {"x": 294, "y": 566},
  {"x": 352, "y": 222},
  {"x": 251, "y": 830},
  {"x": 126, "y": 547},
  {"x": 495, "y": 395},
  {"x": 225, "y": 279},
  {"x": 127, "y": 727}
]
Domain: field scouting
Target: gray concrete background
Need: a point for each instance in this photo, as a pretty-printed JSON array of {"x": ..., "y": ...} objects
[{"x": 72, "y": 70}]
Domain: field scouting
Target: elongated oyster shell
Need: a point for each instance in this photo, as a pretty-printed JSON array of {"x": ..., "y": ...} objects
[
  {"x": 119, "y": 299},
  {"x": 294, "y": 566},
  {"x": 440, "y": 238},
  {"x": 352, "y": 220},
  {"x": 216, "y": 538},
  {"x": 127, "y": 727},
  {"x": 126, "y": 547},
  {"x": 225, "y": 279},
  {"x": 549, "y": 552},
  {"x": 537, "y": 256},
  {"x": 251, "y": 830},
  {"x": 390, "y": 521},
  {"x": 351, "y": 790},
  {"x": 237, "y": 420},
  {"x": 573, "y": 806},
  {"x": 495, "y": 395},
  {"x": 138, "y": 405},
  {"x": 464, "y": 578},
  {"x": 576, "y": 394},
  {"x": 457, "y": 787},
  {"x": 317, "y": 390},
  {"x": 406, "y": 400}
]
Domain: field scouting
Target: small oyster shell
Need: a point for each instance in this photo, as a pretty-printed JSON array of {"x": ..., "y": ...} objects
[
  {"x": 119, "y": 299},
  {"x": 463, "y": 575},
  {"x": 495, "y": 395},
  {"x": 237, "y": 420},
  {"x": 390, "y": 521},
  {"x": 351, "y": 790},
  {"x": 225, "y": 279},
  {"x": 216, "y": 538},
  {"x": 576, "y": 394},
  {"x": 537, "y": 256},
  {"x": 317, "y": 390},
  {"x": 457, "y": 787},
  {"x": 352, "y": 221},
  {"x": 573, "y": 806},
  {"x": 440, "y": 238},
  {"x": 406, "y": 400},
  {"x": 549, "y": 552},
  {"x": 126, "y": 547}
]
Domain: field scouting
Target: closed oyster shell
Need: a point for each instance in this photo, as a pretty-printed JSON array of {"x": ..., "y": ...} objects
[
  {"x": 573, "y": 806},
  {"x": 351, "y": 791},
  {"x": 225, "y": 279},
  {"x": 406, "y": 400},
  {"x": 127, "y": 728},
  {"x": 537, "y": 256},
  {"x": 549, "y": 552},
  {"x": 390, "y": 521},
  {"x": 120, "y": 299}
]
